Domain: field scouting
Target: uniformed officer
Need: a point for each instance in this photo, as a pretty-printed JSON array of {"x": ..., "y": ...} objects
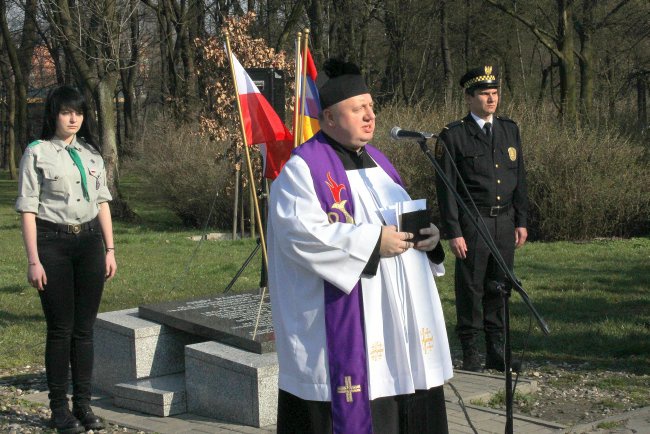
[
  {"x": 486, "y": 149},
  {"x": 68, "y": 236}
]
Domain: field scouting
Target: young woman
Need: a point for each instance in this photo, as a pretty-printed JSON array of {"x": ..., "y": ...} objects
[{"x": 68, "y": 236}]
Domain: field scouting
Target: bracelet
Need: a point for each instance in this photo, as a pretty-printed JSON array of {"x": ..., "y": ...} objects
[
  {"x": 108, "y": 249},
  {"x": 32, "y": 263}
]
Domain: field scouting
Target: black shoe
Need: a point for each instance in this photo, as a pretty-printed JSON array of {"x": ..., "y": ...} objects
[
  {"x": 87, "y": 418},
  {"x": 494, "y": 358},
  {"x": 64, "y": 422},
  {"x": 471, "y": 358}
]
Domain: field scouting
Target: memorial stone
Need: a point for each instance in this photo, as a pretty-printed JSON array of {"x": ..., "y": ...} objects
[{"x": 230, "y": 319}]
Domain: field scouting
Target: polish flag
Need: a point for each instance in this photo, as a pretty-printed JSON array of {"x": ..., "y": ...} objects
[{"x": 262, "y": 124}]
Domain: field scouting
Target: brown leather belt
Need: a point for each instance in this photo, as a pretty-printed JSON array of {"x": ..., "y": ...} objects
[
  {"x": 494, "y": 211},
  {"x": 68, "y": 228}
]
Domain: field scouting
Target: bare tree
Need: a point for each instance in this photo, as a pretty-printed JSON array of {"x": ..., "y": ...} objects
[
  {"x": 9, "y": 111},
  {"x": 560, "y": 42},
  {"x": 20, "y": 58},
  {"x": 446, "y": 52},
  {"x": 129, "y": 72},
  {"x": 178, "y": 27},
  {"x": 91, "y": 33}
]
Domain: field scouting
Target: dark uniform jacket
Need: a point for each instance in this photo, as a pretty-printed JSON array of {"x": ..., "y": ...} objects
[{"x": 493, "y": 172}]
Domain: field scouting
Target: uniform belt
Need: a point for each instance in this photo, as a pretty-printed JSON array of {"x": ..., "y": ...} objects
[
  {"x": 494, "y": 211},
  {"x": 68, "y": 228}
]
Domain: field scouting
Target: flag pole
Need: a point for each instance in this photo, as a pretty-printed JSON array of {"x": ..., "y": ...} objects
[
  {"x": 303, "y": 79},
  {"x": 248, "y": 156},
  {"x": 252, "y": 181},
  {"x": 296, "y": 105}
]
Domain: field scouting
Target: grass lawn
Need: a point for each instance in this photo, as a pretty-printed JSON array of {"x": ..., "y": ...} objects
[{"x": 595, "y": 296}]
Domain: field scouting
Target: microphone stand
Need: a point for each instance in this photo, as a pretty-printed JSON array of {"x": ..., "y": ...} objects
[{"x": 503, "y": 287}]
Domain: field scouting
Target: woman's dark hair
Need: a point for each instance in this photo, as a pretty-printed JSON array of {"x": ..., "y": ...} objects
[{"x": 67, "y": 97}]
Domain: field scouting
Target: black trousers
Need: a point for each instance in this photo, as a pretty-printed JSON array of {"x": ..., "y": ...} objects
[
  {"x": 75, "y": 269},
  {"x": 478, "y": 306},
  {"x": 423, "y": 412}
]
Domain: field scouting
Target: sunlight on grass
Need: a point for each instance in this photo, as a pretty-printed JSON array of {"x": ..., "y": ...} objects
[{"x": 595, "y": 296}]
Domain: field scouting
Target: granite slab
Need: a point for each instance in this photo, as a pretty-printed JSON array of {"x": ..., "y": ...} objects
[{"x": 231, "y": 319}]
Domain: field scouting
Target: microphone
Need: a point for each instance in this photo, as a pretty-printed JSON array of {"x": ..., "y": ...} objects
[{"x": 399, "y": 134}]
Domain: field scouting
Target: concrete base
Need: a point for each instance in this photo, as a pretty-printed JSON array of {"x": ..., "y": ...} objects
[
  {"x": 160, "y": 396},
  {"x": 128, "y": 348},
  {"x": 230, "y": 384}
]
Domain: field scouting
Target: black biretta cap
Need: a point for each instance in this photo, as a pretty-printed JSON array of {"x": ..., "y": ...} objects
[
  {"x": 341, "y": 80},
  {"x": 484, "y": 77}
]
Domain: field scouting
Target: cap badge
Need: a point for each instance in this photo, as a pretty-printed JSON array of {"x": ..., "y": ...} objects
[{"x": 488, "y": 70}]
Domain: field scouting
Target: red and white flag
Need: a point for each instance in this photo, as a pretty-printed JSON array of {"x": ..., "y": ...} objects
[{"x": 262, "y": 124}]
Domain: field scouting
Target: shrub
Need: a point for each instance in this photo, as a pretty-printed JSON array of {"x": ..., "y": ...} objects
[
  {"x": 189, "y": 172},
  {"x": 582, "y": 182}
]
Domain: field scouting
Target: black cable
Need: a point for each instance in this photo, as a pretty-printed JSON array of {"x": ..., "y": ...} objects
[{"x": 462, "y": 407}]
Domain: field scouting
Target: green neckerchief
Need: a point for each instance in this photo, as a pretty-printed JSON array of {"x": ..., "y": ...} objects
[{"x": 77, "y": 161}]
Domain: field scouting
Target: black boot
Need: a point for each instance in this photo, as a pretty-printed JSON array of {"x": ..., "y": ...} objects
[
  {"x": 494, "y": 357},
  {"x": 87, "y": 418},
  {"x": 471, "y": 357},
  {"x": 64, "y": 422}
]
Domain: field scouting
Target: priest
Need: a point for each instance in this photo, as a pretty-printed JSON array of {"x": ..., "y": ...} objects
[{"x": 360, "y": 334}]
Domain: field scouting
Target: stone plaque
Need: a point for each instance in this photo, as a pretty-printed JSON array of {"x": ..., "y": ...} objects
[{"x": 229, "y": 319}]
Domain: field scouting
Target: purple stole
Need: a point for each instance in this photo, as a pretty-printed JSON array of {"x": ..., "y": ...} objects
[{"x": 344, "y": 321}]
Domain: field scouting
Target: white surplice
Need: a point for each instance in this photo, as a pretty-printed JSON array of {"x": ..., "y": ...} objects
[{"x": 406, "y": 339}]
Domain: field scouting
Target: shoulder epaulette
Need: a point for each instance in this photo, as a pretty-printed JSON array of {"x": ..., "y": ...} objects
[
  {"x": 454, "y": 124},
  {"x": 34, "y": 143},
  {"x": 505, "y": 118}
]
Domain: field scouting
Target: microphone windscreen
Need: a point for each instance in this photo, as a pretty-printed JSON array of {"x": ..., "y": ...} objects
[{"x": 394, "y": 133}]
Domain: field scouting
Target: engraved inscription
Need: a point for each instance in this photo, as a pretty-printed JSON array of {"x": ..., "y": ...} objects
[{"x": 242, "y": 309}]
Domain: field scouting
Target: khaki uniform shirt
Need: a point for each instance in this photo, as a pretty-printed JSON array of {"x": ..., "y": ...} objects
[{"x": 49, "y": 184}]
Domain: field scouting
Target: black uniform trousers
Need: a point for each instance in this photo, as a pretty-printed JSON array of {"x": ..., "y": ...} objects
[
  {"x": 75, "y": 269},
  {"x": 422, "y": 412},
  {"x": 478, "y": 307}
]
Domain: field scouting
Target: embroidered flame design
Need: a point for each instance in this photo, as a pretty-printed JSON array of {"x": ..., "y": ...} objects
[{"x": 334, "y": 188}]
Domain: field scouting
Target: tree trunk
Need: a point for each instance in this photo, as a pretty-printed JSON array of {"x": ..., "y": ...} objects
[
  {"x": 10, "y": 89},
  {"x": 391, "y": 85},
  {"x": 128, "y": 76},
  {"x": 315, "y": 14},
  {"x": 188, "y": 30},
  {"x": 104, "y": 93},
  {"x": 20, "y": 59},
  {"x": 11, "y": 134},
  {"x": 561, "y": 44},
  {"x": 343, "y": 32},
  {"x": 585, "y": 29},
  {"x": 565, "y": 45},
  {"x": 448, "y": 74},
  {"x": 642, "y": 100}
]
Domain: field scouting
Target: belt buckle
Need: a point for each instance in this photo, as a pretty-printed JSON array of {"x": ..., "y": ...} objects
[
  {"x": 494, "y": 211},
  {"x": 74, "y": 229}
]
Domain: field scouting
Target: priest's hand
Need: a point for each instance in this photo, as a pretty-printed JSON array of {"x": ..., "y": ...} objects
[
  {"x": 394, "y": 243},
  {"x": 429, "y": 243}
]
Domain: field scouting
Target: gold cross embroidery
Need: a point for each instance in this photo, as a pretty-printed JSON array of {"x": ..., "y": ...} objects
[
  {"x": 349, "y": 389},
  {"x": 376, "y": 351},
  {"x": 427, "y": 340}
]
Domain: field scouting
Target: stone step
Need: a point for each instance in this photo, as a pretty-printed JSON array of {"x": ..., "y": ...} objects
[
  {"x": 129, "y": 348},
  {"x": 160, "y": 396},
  {"x": 231, "y": 384}
]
